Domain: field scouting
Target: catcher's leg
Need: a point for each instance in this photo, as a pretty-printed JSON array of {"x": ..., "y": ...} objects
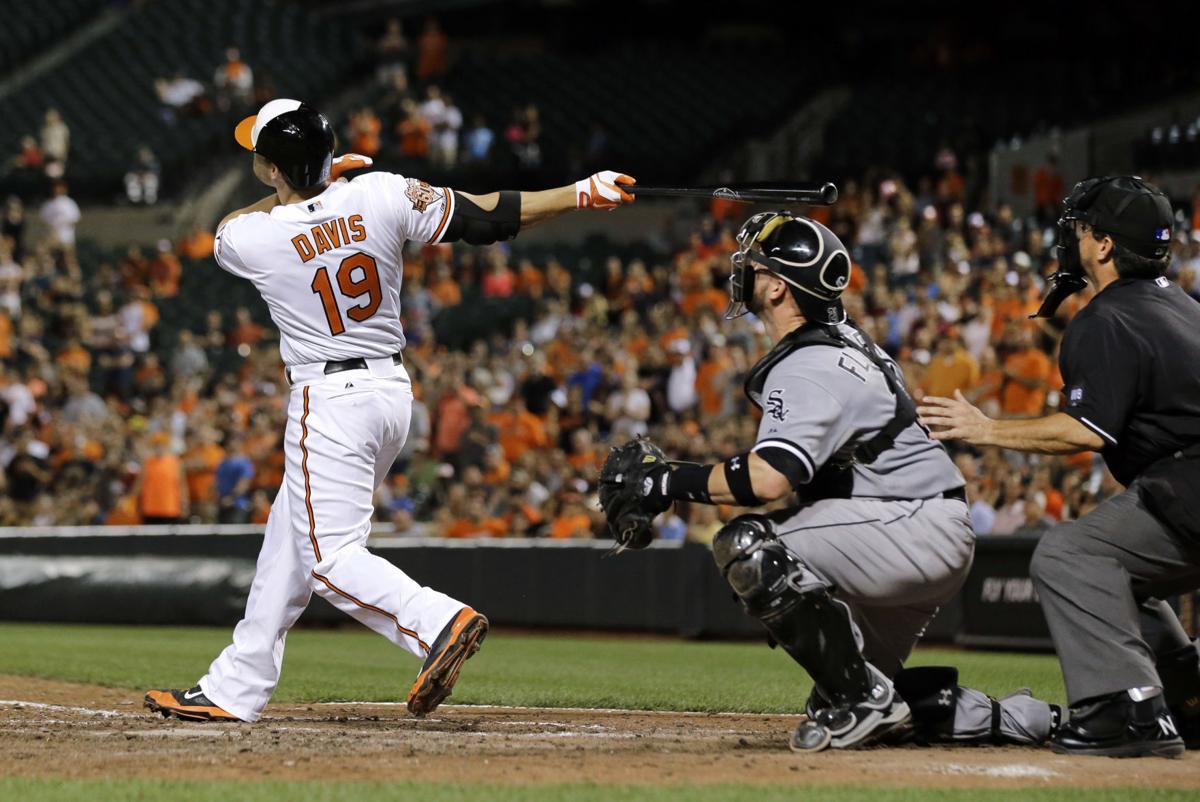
[{"x": 815, "y": 629}]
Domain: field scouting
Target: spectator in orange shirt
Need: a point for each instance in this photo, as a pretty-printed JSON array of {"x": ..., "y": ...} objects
[
  {"x": 161, "y": 488},
  {"x": 1026, "y": 373},
  {"x": 520, "y": 430},
  {"x": 197, "y": 245},
  {"x": 413, "y": 131},
  {"x": 705, "y": 296},
  {"x": 445, "y": 289},
  {"x": 500, "y": 281},
  {"x": 234, "y": 80},
  {"x": 365, "y": 128},
  {"x": 75, "y": 358},
  {"x": 245, "y": 331},
  {"x": 164, "y": 271},
  {"x": 572, "y": 521},
  {"x": 200, "y": 467},
  {"x": 530, "y": 280},
  {"x": 951, "y": 367},
  {"x": 432, "y": 48},
  {"x": 986, "y": 392}
]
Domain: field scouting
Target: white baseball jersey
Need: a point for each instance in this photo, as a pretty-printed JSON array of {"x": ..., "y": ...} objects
[{"x": 330, "y": 267}]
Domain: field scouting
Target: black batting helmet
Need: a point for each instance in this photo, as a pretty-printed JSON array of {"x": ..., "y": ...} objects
[
  {"x": 294, "y": 137},
  {"x": 806, "y": 255}
]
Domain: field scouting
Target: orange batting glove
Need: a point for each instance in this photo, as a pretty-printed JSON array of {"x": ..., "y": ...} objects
[
  {"x": 348, "y": 162},
  {"x": 603, "y": 190}
]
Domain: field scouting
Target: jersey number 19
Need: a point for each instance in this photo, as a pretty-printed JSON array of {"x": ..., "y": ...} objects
[{"x": 353, "y": 285}]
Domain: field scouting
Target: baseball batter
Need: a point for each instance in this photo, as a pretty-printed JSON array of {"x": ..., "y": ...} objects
[
  {"x": 326, "y": 257},
  {"x": 846, "y": 581}
]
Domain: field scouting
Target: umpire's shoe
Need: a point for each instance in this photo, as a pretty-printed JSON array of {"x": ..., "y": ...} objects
[
  {"x": 457, "y": 641},
  {"x": 189, "y": 705},
  {"x": 882, "y": 713},
  {"x": 1117, "y": 726}
]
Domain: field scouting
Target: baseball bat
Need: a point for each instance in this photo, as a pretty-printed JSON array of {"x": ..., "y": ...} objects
[{"x": 812, "y": 194}]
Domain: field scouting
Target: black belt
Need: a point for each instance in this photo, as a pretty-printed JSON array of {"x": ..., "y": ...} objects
[
  {"x": 957, "y": 494},
  {"x": 358, "y": 363}
]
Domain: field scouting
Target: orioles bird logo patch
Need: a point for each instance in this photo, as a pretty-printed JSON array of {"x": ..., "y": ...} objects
[{"x": 420, "y": 193}]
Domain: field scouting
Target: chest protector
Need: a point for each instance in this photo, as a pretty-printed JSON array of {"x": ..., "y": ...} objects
[{"x": 863, "y": 452}]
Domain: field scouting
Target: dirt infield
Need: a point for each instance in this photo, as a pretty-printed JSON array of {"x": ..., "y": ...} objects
[{"x": 57, "y": 729}]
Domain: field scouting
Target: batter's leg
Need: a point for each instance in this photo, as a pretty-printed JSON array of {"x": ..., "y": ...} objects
[
  {"x": 243, "y": 677},
  {"x": 333, "y": 463}
]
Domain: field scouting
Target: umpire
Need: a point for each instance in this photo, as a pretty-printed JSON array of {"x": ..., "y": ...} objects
[{"x": 1130, "y": 362}]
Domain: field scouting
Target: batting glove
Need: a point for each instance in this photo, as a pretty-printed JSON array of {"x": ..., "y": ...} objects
[
  {"x": 348, "y": 162},
  {"x": 603, "y": 190}
]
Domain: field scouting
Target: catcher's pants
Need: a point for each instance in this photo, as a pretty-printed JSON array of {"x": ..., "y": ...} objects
[
  {"x": 1097, "y": 578},
  {"x": 894, "y": 563},
  {"x": 343, "y": 433}
]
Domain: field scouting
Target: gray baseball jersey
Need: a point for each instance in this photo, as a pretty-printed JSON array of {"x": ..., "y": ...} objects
[{"x": 820, "y": 402}]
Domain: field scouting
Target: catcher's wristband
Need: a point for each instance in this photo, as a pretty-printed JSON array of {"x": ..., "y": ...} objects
[
  {"x": 737, "y": 476},
  {"x": 689, "y": 482}
]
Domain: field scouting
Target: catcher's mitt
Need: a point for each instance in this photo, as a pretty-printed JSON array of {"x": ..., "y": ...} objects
[{"x": 630, "y": 494}]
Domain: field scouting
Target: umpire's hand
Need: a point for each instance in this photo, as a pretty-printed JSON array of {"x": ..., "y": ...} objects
[{"x": 955, "y": 419}]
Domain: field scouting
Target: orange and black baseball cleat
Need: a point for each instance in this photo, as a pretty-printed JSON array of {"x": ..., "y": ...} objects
[
  {"x": 190, "y": 705},
  {"x": 457, "y": 641}
]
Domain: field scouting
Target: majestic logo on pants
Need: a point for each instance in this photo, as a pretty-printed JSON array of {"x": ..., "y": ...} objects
[{"x": 775, "y": 407}]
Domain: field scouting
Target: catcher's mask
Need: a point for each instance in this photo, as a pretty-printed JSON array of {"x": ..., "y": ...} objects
[
  {"x": 1136, "y": 214},
  {"x": 804, "y": 254}
]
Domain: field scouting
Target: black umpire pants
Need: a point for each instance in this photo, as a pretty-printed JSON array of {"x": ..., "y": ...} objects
[{"x": 1100, "y": 580}]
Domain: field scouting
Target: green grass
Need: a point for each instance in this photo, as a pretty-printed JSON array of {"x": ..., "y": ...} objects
[
  {"x": 155, "y": 791},
  {"x": 535, "y": 670}
]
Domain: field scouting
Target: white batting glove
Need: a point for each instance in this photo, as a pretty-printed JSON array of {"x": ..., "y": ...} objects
[
  {"x": 603, "y": 190},
  {"x": 348, "y": 162}
]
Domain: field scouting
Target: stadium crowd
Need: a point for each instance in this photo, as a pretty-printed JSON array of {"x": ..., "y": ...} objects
[{"x": 106, "y": 421}]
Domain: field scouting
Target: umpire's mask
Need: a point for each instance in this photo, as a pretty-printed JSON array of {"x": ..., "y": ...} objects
[{"x": 1136, "y": 214}]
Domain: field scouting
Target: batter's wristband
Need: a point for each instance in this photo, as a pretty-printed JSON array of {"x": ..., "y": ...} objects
[{"x": 689, "y": 482}]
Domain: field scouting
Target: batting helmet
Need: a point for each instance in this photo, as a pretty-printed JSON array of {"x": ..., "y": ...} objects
[
  {"x": 294, "y": 137},
  {"x": 806, "y": 255}
]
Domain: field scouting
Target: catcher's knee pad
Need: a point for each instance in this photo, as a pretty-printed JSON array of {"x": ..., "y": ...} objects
[
  {"x": 932, "y": 694},
  {"x": 794, "y": 605}
]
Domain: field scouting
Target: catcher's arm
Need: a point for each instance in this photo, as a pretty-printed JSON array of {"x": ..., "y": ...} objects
[
  {"x": 767, "y": 483},
  {"x": 637, "y": 483}
]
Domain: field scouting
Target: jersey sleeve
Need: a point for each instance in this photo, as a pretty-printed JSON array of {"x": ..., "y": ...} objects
[
  {"x": 801, "y": 419},
  {"x": 225, "y": 252},
  {"x": 422, "y": 211},
  {"x": 1100, "y": 376}
]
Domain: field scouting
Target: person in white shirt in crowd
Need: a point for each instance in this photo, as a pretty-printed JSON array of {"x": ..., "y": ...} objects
[
  {"x": 56, "y": 143},
  {"x": 61, "y": 214}
]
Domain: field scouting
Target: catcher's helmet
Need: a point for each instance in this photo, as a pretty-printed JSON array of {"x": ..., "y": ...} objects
[
  {"x": 803, "y": 253},
  {"x": 294, "y": 137}
]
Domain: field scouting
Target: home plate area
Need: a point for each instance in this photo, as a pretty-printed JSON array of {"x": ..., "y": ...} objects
[{"x": 57, "y": 729}]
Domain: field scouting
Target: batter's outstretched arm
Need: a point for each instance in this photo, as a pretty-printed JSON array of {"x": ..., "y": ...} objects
[{"x": 604, "y": 190}]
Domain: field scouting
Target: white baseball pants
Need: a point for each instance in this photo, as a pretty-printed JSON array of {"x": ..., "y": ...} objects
[{"x": 343, "y": 433}]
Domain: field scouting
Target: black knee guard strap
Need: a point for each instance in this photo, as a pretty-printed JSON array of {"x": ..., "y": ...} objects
[{"x": 800, "y": 616}]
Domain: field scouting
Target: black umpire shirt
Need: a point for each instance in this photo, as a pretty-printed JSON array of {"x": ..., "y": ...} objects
[{"x": 1130, "y": 363}]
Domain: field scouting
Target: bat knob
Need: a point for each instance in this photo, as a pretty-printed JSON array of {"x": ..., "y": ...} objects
[{"x": 829, "y": 193}]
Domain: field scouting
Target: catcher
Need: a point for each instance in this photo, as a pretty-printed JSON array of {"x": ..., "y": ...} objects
[{"x": 846, "y": 580}]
